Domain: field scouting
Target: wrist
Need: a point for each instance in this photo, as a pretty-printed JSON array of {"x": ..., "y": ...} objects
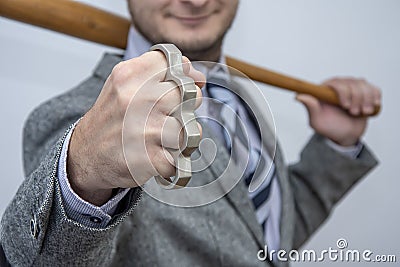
[
  {"x": 89, "y": 191},
  {"x": 345, "y": 142},
  {"x": 84, "y": 181},
  {"x": 97, "y": 197}
]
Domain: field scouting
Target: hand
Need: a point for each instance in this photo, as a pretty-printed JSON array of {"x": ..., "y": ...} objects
[
  {"x": 344, "y": 125},
  {"x": 96, "y": 162}
]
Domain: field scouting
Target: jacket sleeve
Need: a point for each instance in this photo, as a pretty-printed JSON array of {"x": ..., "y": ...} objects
[
  {"x": 319, "y": 180},
  {"x": 35, "y": 229}
]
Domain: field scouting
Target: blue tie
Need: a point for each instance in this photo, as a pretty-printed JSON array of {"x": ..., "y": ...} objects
[{"x": 217, "y": 89}]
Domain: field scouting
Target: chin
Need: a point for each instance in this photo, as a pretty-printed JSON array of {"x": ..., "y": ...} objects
[
  {"x": 195, "y": 46},
  {"x": 190, "y": 43}
]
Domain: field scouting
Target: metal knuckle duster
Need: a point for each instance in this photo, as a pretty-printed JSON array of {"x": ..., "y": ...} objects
[{"x": 184, "y": 113}]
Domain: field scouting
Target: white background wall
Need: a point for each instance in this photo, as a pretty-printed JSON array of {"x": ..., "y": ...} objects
[{"x": 311, "y": 39}]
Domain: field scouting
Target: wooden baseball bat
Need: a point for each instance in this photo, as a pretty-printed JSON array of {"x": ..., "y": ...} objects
[{"x": 90, "y": 23}]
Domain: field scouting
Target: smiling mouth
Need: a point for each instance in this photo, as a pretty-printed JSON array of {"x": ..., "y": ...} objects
[{"x": 192, "y": 20}]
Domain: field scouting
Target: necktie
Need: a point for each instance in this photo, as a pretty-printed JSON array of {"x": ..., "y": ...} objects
[{"x": 243, "y": 135}]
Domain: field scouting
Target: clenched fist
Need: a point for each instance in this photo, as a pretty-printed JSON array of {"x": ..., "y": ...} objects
[{"x": 96, "y": 162}]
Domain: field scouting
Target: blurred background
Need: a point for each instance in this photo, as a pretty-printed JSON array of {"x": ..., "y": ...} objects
[{"x": 310, "y": 39}]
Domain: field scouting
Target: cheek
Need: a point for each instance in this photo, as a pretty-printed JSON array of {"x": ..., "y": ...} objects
[
  {"x": 230, "y": 10},
  {"x": 146, "y": 21}
]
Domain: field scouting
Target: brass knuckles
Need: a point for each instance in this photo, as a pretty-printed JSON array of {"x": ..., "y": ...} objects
[{"x": 185, "y": 115}]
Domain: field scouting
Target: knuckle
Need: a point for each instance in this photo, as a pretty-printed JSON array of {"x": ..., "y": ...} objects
[
  {"x": 163, "y": 165},
  {"x": 125, "y": 76},
  {"x": 136, "y": 67},
  {"x": 118, "y": 79},
  {"x": 354, "y": 91},
  {"x": 151, "y": 59},
  {"x": 120, "y": 74},
  {"x": 144, "y": 61},
  {"x": 154, "y": 128},
  {"x": 332, "y": 80},
  {"x": 354, "y": 83},
  {"x": 171, "y": 98},
  {"x": 339, "y": 85},
  {"x": 122, "y": 99},
  {"x": 359, "y": 83}
]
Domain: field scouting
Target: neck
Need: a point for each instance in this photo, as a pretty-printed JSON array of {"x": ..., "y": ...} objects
[{"x": 212, "y": 54}]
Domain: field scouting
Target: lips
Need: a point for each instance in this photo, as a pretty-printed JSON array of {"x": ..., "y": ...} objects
[{"x": 192, "y": 20}]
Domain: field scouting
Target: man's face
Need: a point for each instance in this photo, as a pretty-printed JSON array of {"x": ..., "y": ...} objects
[{"x": 195, "y": 26}]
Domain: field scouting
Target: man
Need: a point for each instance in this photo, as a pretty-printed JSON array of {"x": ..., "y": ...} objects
[{"x": 81, "y": 202}]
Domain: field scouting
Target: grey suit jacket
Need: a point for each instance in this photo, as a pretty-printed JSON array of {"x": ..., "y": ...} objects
[{"x": 35, "y": 230}]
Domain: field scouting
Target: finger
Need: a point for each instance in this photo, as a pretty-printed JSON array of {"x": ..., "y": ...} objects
[
  {"x": 169, "y": 97},
  {"x": 153, "y": 64},
  {"x": 311, "y": 103},
  {"x": 342, "y": 90},
  {"x": 199, "y": 97},
  {"x": 197, "y": 76},
  {"x": 377, "y": 96},
  {"x": 368, "y": 97},
  {"x": 186, "y": 65},
  {"x": 171, "y": 133},
  {"x": 164, "y": 163},
  {"x": 357, "y": 98}
]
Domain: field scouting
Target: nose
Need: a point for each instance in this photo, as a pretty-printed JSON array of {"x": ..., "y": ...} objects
[{"x": 196, "y": 3}]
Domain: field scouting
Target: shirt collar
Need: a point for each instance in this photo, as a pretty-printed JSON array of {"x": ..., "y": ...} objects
[{"x": 137, "y": 44}]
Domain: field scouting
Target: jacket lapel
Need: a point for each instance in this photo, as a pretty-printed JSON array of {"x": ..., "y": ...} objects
[
  {"x": 238, "y": 196},
  {"x": 226, "y": 171},
  {"x": 268, "y": 134}
]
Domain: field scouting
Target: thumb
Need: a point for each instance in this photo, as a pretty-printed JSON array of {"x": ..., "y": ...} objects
[
  {"x": 311, "y": 103},
  {"x": 196, "y": 75}
]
